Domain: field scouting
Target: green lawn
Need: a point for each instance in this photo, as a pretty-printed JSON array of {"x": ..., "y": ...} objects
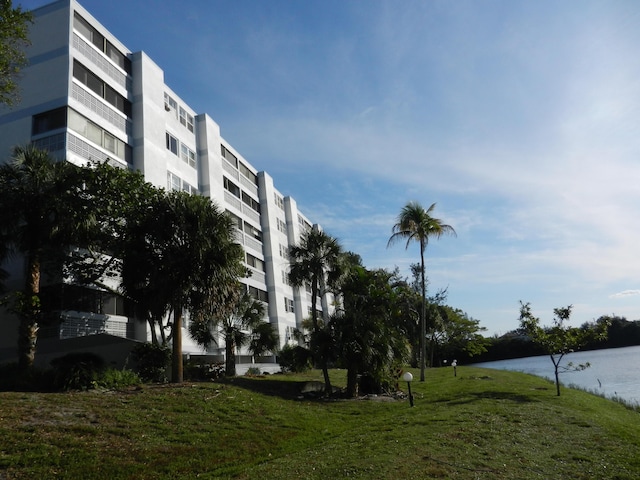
[{"x": 482, "y": 424}]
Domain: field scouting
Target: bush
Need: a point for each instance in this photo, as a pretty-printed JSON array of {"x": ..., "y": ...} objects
[
  {"x": 77, "y": 371},
  {"x": 195, "y": 371},
  {"x": 114, "y": 379},
  {"x": 13, "y": 379},
  {"x": 294, "y": 359},
  {"x": 253, "y": 371},
  {"x": 151, "y": 361}
]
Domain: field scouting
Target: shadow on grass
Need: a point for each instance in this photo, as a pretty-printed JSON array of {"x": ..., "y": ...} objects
[
  {"x": 490, "y": 395},
  {"x": 287, "y": 390}
]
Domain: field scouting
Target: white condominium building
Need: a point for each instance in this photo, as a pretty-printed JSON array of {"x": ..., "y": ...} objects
[{"x": 86, "y": 96}]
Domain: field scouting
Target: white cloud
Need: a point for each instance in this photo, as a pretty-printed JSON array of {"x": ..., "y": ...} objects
[{"x": 625, "y": 294}]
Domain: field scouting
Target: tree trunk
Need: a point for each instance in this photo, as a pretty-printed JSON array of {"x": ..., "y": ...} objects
[
  {"x": 423, "y": 319},
  {"x": 556, "y": 364},
  {"x": 29, "y": 309},
  {"x": 352, "y": 382},
  {"x": 176, "y": 357},
  {"x": 230, "y": 357}
]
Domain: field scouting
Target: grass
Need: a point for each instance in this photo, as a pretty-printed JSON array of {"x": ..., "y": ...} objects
[{"x": 484, "y": 424}]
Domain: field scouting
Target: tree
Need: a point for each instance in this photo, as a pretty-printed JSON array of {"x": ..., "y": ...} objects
[
  {"x": 242, "y": 324},
  {"x": 414, "y": 223},
  {"x": 559, "y": 339},
  {"x": 14, "y": 37},
  {"x": 316, "y": 261},
  {"x": 457, "y": 335},
  {"x": 187, "y": 259},
  {"x": 367, "y": 331},
  {"x": 38, "y": 198}
]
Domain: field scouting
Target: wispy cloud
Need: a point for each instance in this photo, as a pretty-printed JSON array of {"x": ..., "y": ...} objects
[{"x": 625, "y": 294}]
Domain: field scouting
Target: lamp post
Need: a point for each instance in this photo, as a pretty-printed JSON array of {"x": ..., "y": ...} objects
[
  {"x": 454, "y": 364},
  {"x": 408, "y": 377}
]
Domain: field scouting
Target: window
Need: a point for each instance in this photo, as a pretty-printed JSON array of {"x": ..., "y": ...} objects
[
  {"x": 88, "y": 32},
  {"x": 248, "y": 173},
  {"x": 173, "y": 182},
  {"x": 97, "y": 135},
  {"x": 231, "y": 187},
  {"x": 170, "y": 104},
  {"x": 255, "y": 262},
  {"x": 117, "y": 57},
  {"x": 237, "y": 221},
  {"x": 253, "y": 231},
  {"x": 258, "y": 294},
  {"x": 172, "y": 143},
  {"x": 100, "y": 88},
  {"x": 187, "y": 187},
  {"x": 47, "y": 121},
  {"x": 186, "y": 119},
  {"x": 279, "y": 201},
  {"x": 282, "y": 226},
  {"x": 188, "y": 155},
  {"x": 249, "y": 201},
  {"x": 303, "y": 224},
  {"x": 288, "y": 305},
  {"x": 228, "y": 156},
  {"x": 110, "y": 142},
  {"x": 102, "y": 44},
  {"x": 284, "y": 251},
  {"x": 285, "y": 278}
]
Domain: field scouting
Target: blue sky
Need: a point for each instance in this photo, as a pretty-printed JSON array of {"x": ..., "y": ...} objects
[{"x": 521, "y": 120}]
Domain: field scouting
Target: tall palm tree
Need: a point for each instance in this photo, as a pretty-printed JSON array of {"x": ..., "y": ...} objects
[
  {"x": 37, "y": 197},
  {"x": 415, "y": 224},
  {"x": 316, "y": 261}
]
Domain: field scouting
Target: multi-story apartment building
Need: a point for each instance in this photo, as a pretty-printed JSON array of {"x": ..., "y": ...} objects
[{"x": 86, "y": 96}]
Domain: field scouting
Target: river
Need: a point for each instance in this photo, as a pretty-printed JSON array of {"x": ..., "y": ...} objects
[{"x": 614, "y": 372}]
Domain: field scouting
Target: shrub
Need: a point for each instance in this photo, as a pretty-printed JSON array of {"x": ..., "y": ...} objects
[
  {"x": 294, "y": 359},
  {"x": 195, "y": 371},
  {"x": 151, "y": 361},
  {"x": 114, "y": 379},
  {"x": 13, "y": 379},
  {"x": 77, "y": 371},
  {"x": 252, "y": 371}
]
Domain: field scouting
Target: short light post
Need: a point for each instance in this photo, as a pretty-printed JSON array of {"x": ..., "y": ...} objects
[
  {"x": 408, "y": 377},
  {"x": 454, "y": 364}
]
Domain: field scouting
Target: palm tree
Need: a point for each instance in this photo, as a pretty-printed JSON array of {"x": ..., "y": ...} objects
[
  {"x": 241, "y": 323},
  {"x": 316, "y": 261},
  {"x": 414, "y": 223},
  {"x": 37, "y": 200},
  {"x": 366, "y": 330},
  {"x": 186, "y": 258}
]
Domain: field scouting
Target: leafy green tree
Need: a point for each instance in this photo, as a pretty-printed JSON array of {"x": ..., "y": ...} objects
[
  {"x": 38, "y": 196},
  {"x": 316, "y": 261},
  {"x": 456, "y": 334},
  {"x": 559, "y": 339},
  {"x": 115, "y": 199},
  {"x": 14, "y": 37},
  {"x": 242, "y": 324},
  {"x": 367, "y": 331},
  {"x": 188, "y": 257},
  {"x": 415, "y": 224}
]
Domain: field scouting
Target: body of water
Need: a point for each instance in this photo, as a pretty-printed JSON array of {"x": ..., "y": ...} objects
[{"x": 614, "y": 372}]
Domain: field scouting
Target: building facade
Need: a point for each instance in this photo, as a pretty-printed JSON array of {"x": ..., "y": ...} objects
[{"x": 86, "y": 96}]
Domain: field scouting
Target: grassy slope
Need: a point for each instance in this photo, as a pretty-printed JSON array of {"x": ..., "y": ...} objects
[{"x": 481, "y": 424}]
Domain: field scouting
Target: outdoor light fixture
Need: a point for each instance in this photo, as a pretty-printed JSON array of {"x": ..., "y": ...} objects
[{"x": 408, "y": 377}]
